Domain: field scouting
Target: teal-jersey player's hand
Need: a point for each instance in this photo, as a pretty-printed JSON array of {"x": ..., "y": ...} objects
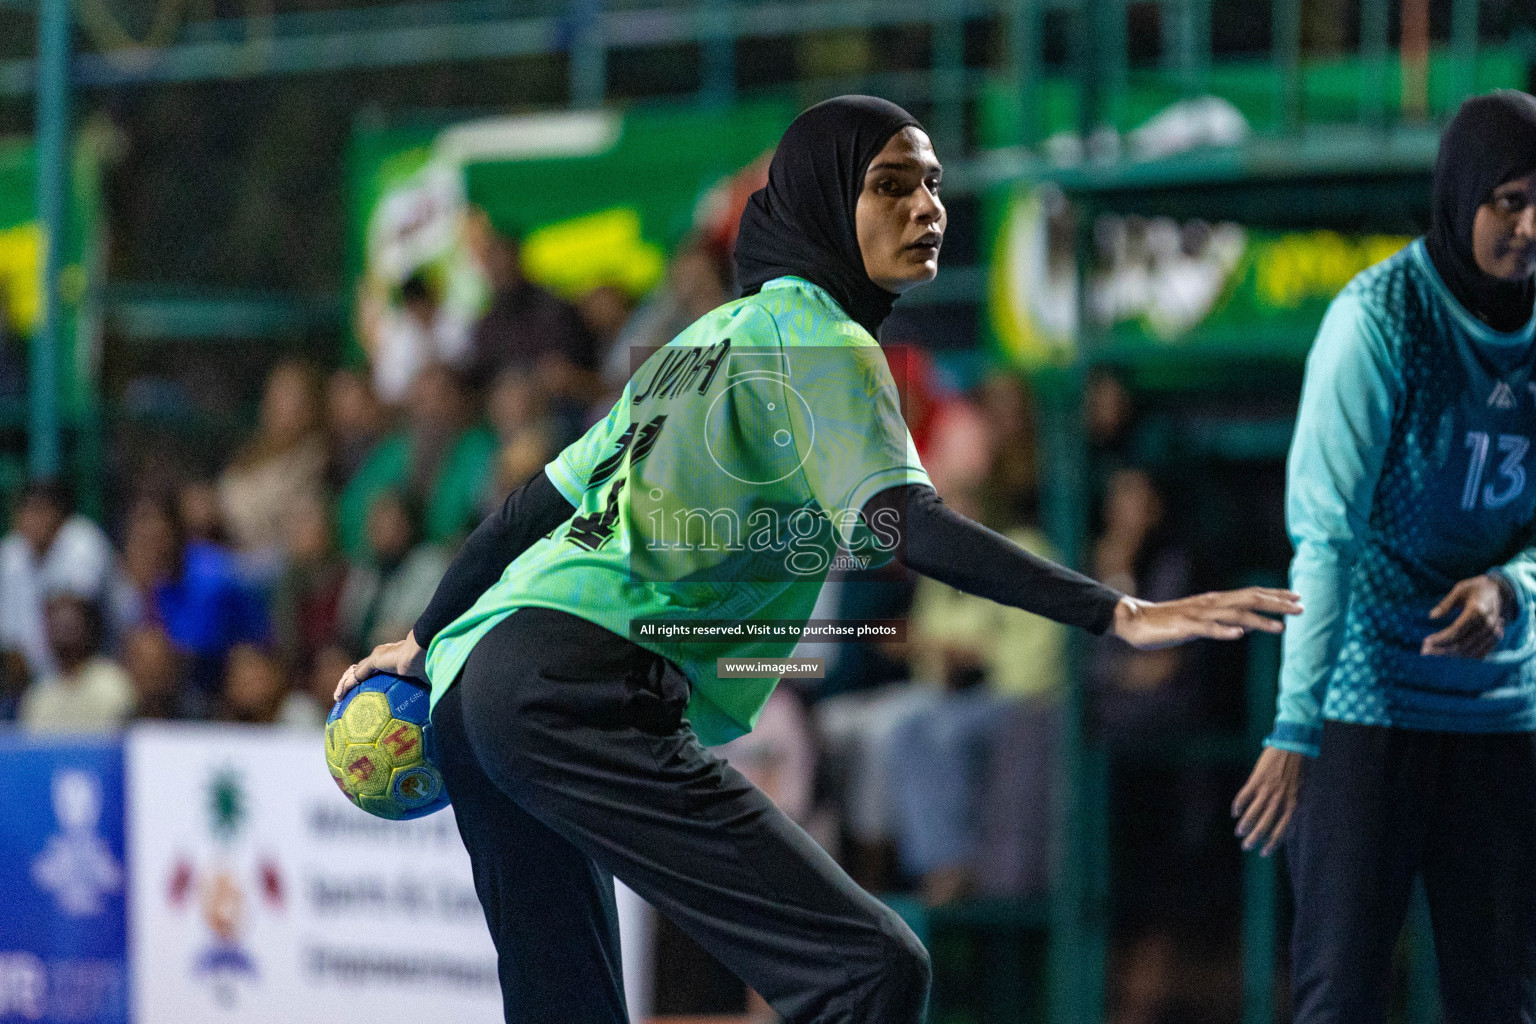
[
  {"x": 1480, "y": 626},
  {"x": 1267, "y": 800}
]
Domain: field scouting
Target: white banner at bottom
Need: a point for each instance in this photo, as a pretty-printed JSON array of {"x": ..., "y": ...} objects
[{"x": 259, "y": 895}]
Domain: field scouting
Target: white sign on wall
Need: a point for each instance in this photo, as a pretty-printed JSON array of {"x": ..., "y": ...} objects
[{"x": 259, "y": 895}]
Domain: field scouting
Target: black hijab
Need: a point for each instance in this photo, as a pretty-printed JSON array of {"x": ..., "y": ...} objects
[
  {"x": 802, "y": 221},
  {"x": 1491, "y": 140}
]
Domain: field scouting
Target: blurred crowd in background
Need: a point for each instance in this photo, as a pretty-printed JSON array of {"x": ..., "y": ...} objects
[{"x": 925, "y": 766}]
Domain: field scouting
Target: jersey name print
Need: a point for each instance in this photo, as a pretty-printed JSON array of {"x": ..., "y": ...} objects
[{"x": 675, "y": 371}]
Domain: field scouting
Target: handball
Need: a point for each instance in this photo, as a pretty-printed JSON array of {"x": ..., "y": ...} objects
[{"x": 379, "y": 748}]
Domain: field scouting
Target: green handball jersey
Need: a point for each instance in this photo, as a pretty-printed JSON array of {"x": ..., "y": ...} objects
[{"x": 722, "y": 486}]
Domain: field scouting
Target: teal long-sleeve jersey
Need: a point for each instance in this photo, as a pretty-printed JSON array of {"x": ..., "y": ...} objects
[{"x": 1410, "y": 470}]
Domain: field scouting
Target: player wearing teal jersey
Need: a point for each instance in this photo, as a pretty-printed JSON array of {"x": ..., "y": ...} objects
[
  {"x": 741, "y": 458},
  {"x": 1403, "y": 739}
]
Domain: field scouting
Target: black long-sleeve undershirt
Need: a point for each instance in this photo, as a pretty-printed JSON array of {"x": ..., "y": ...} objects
[
  {"x": 529, "y": 513},
  {"x": 944, "y": 545},
  {"x": 937, "y": 542}
]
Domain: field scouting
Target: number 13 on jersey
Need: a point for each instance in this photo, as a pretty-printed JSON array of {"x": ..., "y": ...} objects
[{"x": 1511, "y": 480}]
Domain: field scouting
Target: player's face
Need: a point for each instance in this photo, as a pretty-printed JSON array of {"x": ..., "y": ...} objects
[
  {"x": 899, "y": 219},
  {"x": 1504, "y": 231}
]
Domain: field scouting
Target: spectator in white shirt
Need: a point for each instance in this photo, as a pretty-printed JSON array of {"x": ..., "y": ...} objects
[
  {"x": 89, "y": 692},
  {"x": 403, "y": 338},
  {"x": 53, "y": 550}
]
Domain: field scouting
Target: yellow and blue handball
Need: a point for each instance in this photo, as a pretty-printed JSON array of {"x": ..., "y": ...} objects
[{"x": 379, "y": 749}]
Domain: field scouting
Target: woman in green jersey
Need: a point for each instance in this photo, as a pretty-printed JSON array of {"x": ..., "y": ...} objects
[{"x": 571, "y": 718}]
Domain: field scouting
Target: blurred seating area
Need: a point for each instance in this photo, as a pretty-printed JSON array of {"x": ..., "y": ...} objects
[
  {"x": 927, "y": 767},
  {"x": 265, "y": 455}
]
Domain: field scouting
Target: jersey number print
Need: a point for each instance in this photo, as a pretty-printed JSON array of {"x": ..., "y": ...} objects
[
  {"x": 1511, "y": 480},
  {"x": 592, "y": 531}
]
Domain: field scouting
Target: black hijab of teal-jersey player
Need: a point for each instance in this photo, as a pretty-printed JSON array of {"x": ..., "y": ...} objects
[
  {"x": 802, "y": 221},
  {"x": 1491, "y": 140}
]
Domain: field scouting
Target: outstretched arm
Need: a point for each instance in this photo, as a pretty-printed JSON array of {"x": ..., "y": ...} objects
[{"x": 940, "y": 543}]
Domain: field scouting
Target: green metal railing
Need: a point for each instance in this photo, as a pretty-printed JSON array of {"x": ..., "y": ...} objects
[
  {"x": 43, "y": 450},
  {"x": 1363, "y": 177}
]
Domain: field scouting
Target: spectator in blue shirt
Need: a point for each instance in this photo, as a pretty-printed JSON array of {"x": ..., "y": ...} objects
[{"x": 192, "y": 588}]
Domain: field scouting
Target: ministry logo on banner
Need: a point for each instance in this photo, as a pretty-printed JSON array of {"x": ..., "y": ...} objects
[
  {"x": 226, "y": 886},
  {"x": 260, "y": 896}
]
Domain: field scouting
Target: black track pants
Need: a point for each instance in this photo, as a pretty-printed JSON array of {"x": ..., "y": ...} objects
[
  {"x": 1381, "y": 805},
  {"x": 568, "y": 760}
]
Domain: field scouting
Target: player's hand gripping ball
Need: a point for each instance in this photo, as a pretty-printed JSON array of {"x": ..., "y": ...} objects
[{"x": 380, "y": 751}]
